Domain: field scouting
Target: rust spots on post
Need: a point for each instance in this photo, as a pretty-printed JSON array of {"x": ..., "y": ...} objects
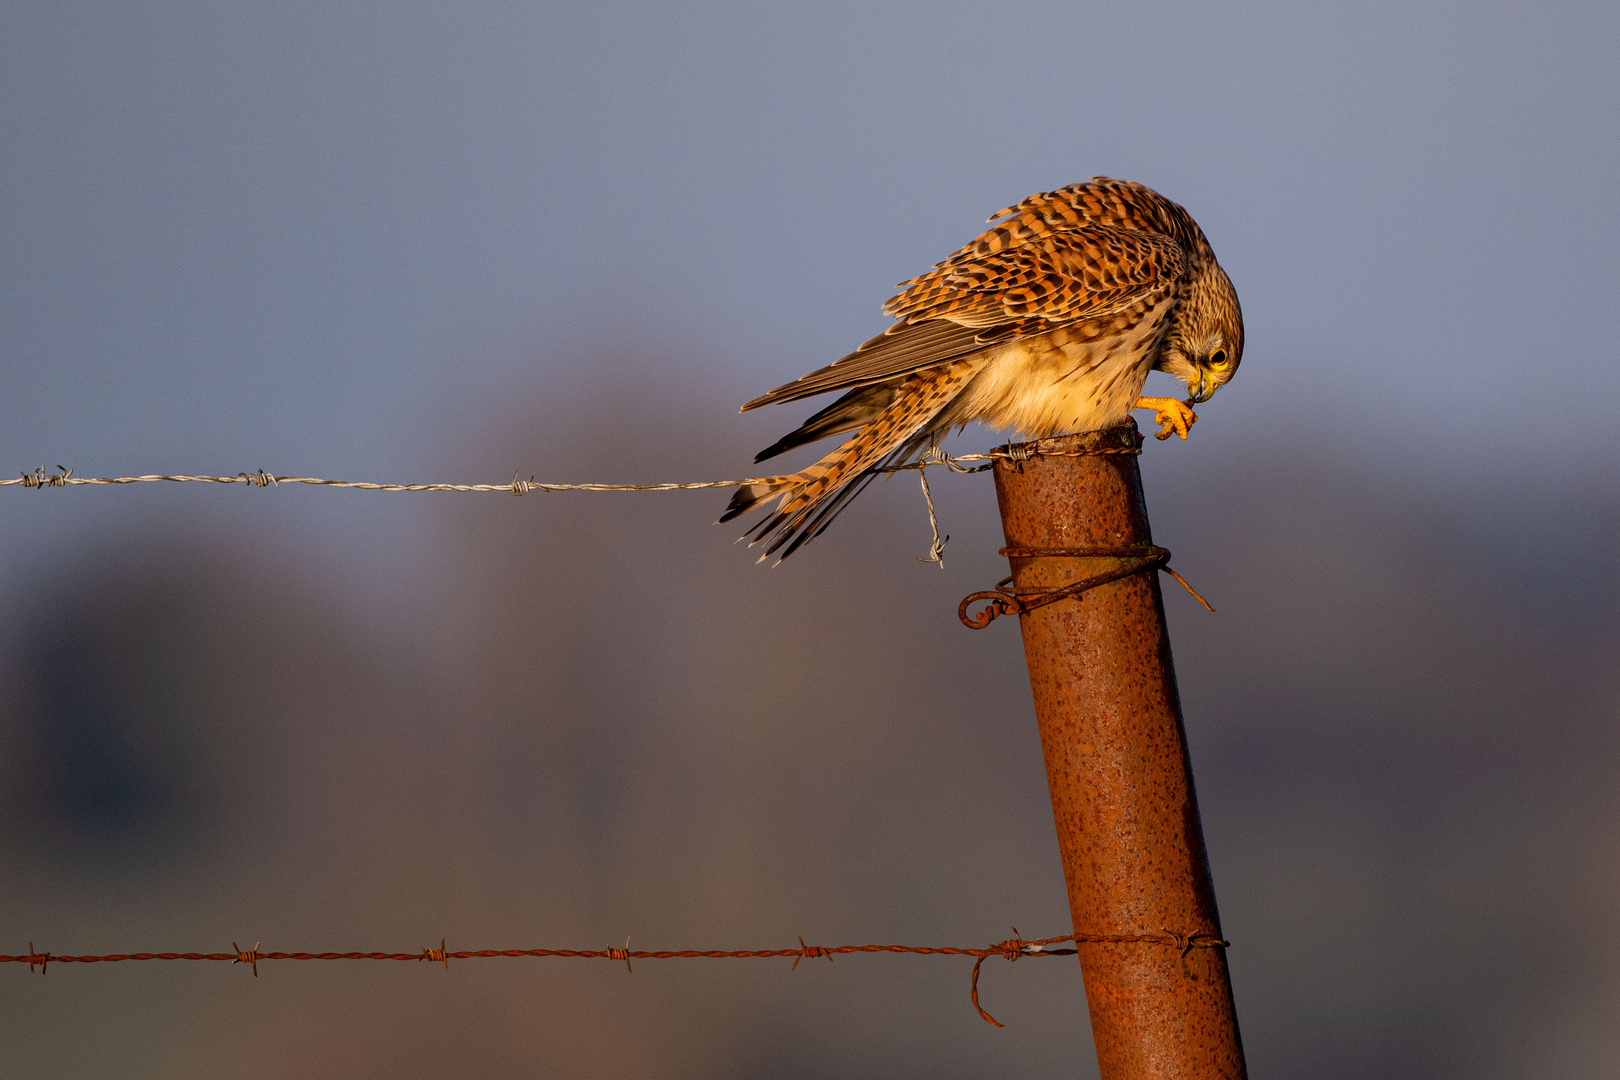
[{"x": 1116, "y": 761}]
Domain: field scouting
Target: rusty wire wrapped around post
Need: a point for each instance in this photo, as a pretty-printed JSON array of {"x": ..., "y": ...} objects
[{"x": 1092, "y": 619}]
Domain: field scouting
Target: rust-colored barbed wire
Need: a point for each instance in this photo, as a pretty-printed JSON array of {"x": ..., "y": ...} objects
[{"x": 1014, "y": 948}]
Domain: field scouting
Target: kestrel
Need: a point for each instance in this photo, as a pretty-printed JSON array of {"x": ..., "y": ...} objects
[{"x": 1048, "y": 323}]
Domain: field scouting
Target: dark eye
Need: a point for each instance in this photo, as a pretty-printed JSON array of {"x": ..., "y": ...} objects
[{"x": 1217, "y": 359}]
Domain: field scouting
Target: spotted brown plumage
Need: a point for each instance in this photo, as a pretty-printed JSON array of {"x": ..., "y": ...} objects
[{"x": 1048, "y": 322}]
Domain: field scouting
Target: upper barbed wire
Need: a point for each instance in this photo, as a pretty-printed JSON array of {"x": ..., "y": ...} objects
[{"x": 63, "y": 477}]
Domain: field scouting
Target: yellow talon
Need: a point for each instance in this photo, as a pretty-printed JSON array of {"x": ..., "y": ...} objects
[{"x": 1173, "y": 417}]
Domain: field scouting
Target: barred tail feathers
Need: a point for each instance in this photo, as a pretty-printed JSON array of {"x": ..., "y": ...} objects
[
  {"x": 751, "y": 495},
  {"x": 812, "y": 497}
]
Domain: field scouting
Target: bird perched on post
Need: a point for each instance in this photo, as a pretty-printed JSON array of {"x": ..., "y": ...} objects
[{"x": 1048, "y": 323}]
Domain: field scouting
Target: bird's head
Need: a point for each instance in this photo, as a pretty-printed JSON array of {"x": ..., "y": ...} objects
[{"x": 1205, "y": 343}]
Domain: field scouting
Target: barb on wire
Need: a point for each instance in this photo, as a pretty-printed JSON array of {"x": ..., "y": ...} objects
[
  {"x": 1014, "y": 948},
  {"x": 622, "y": 954},
  {"x": 805, "y": 952},
  {"x": 243, "y": 956}
]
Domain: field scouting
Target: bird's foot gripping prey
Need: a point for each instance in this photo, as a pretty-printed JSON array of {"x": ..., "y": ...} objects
[
  {"x": 1048, "y": 323},
  {"x": 1173, "y": 417}
]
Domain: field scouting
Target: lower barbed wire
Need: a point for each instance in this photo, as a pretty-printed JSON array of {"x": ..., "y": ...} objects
[{"x": 1014, "y": 948}]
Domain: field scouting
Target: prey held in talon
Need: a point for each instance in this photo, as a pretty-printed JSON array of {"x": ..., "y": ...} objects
[{"x": 1047, "y": 324}]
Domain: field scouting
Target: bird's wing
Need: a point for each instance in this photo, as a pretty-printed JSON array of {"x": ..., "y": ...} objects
[
  {"x": 1057, "y": 278},
  {"x": 974, "y": 300},
  {"x": 902, "y": 348}
]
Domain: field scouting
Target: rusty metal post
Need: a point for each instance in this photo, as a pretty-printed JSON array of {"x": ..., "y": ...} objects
[{"x": 1116, "y": 762}]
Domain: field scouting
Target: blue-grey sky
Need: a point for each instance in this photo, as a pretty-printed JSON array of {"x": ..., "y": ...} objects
[{"x": 305, "y": 236}]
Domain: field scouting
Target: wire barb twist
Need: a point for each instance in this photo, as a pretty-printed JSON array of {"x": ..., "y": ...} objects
[
  {"x": 39, "y": 478},
  {"x": 809, "y": 952},
  {"x": 622, "y": 954},
  {"x": 248, "y": 956}
]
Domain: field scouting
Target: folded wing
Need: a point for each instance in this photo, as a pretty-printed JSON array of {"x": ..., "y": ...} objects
[{"x": 974, "y": 300}]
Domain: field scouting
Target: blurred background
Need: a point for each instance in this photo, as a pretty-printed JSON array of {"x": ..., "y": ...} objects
[{"x": 443, "y": 242}]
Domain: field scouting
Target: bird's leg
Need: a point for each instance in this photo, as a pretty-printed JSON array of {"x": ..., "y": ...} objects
[{"x": 1173, "y": 417}]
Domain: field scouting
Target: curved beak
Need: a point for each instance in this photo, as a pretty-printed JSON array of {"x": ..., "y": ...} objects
[{"x": 1202, "y": 388}]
